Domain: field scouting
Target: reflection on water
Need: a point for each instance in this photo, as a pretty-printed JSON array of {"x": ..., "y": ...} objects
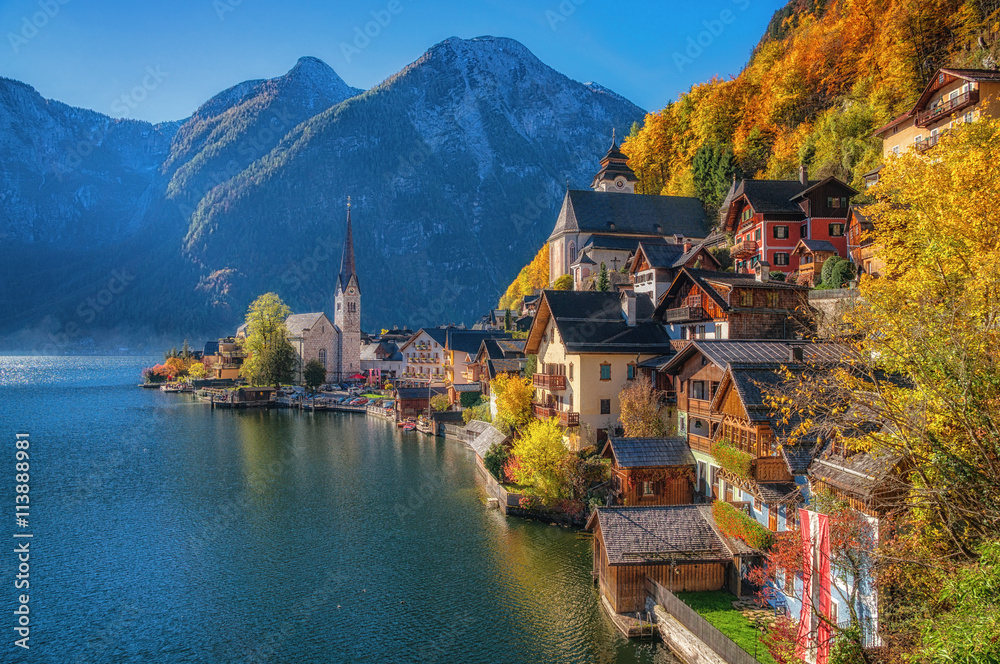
[{"x": 168, "y": 532}]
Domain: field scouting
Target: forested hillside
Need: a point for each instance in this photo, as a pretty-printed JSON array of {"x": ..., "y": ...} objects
[{"x": 825, "y": 75}]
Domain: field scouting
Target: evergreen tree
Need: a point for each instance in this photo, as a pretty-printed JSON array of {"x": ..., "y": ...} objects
[
  {"x": 603, "y": 281},
  {"x": 506, "y": 321}
]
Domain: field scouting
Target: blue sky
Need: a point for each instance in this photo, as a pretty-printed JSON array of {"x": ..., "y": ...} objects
[{"x": 167, "y": 58}]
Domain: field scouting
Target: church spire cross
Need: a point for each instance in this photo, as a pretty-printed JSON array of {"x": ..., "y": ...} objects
[{"x": 347, "y": 269}]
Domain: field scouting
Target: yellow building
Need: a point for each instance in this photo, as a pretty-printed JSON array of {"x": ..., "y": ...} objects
[
  {"x": 951, "y": 97},
  {"x": 588, "y": 346}
]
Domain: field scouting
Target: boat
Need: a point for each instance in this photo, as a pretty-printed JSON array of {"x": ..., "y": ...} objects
[{"x": 409, "y": 426}]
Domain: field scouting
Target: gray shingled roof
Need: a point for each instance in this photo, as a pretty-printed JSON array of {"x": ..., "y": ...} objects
[
  {"x": 614, "y": 242},
  {"x": 487, "y": 437},
  {"x": 592, "y": 322},
  {"x": 648, "y": 452},
  {"x": 298, "y": 323},
  {"x": 636, "y": 535},
  {"x": 860, "y": 474},
  {"x": 468, "y": 341},
  {"x": 632, "y": 214},
  {"x": 722, "y": 352},
  {"x": 515, "y": 365},
  {"x": 817, "y": 245},
  {"x": 662, "y": 256},
  {"x": 798, "y": 457},
  {"x": 773, "y": 196}
]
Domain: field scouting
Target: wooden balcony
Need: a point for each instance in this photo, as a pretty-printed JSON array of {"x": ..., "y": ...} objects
[
  {"x": 700, "y": 443},
  {"x": 926, "y": 143},
  {"x": 566, "y": 419},
  {"x": 699, "y": 408},
  {"x": 548, "y": 381},
  {"x": 946, "y": 108},
  {"x": 744, "y": 249},
  {"x": 684, "y": 314}
]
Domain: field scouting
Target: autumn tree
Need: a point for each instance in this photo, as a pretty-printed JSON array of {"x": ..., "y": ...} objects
[
  {"x": 271, "y": 359},
  {"x": 640, "y": 410},
  {"x": 538, "y": 457},
  {"x": 439, "y": 402},
  {"x": 532, "y": 277},
  {"x": 513, "y": 398},
  {"x": 565, "y": 282},
  {"x": 197, "y": 370},
  {"x": 918, "y": 383}
]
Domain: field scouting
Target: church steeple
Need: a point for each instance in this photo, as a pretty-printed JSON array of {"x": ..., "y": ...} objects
[
  {"x": 347, "y": 271},
  {"x": 615, "y": 174}
]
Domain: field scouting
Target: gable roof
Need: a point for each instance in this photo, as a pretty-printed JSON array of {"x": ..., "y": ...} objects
[
  {"x": 722, "y": 352},
  {"x": 815, "y": 245},
  {"x": 649, "y": 452},
  {"x": 487, "y": 436},
  {"x": 299, "y": 323},
  {"x": 418, "y": 392},
  {"x": 660, "y": 534},
  {"x": 822, "y": 183},
  {"x": 592, "y": 322},
  {"x": 513, "y": 365},
  {"x": 438, "y": 334},
  {"x": 468, "y": 341},
  {"x": 706, "y": 280},
  {"x": 587, "y": 211},
  {"x": 861, "y": 474}
]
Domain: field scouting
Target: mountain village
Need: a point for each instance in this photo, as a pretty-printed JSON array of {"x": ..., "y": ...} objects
[{"x": 653, "y": 305}]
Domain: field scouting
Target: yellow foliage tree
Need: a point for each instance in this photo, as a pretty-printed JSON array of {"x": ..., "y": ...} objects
[
  {"x": 538, "y": 456},
  {"x": 533, "y": 276},
  {"x": 197, "y": 370},
  {"x": 640, "y": 416},
  {"x": 513, "y": 397}
]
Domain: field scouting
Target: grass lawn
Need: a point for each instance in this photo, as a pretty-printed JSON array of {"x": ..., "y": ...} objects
[{"x": 717, "y": 608}]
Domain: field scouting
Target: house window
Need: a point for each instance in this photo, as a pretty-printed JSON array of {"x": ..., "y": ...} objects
[
  {"x": 781, "y": 258},
  {"x": 807, "y": 259},
  {"x": 746, "y": 298},
  {"x": 772, "y": 300},
  {"x": 804, "y": 231},
  {"x": 895, "y": 149},
  {"x": 322, "y": 357},
  {"x": 571, "y": 371},
  {"x": 701, "y": 331},
  {"x": 756, "y": 235},
  {"x": 747, "y": 213},
  {"x": 631, "y": 372},
  {"x": 605, "y": 406},
  {"x": 780, "y": 232},
  {"x": 836, "y": 202},
  {"x": 698, "y": 390},
  {"x": 605, "y": 371},
  {"x": 836, "y": 230},
  {"x": 647, "y": 488}
]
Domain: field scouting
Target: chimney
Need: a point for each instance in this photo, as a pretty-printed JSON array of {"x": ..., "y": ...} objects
[
  {"x": 687, "y": 246},
  {"x": 628, "y": 307},
  {"x": 803, "y": 174},
  {"x": 794, "y": 353},
  {"x": 763, "y": 271}
]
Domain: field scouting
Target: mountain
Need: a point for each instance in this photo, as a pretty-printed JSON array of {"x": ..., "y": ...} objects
[{"x": 456, "y": 166}]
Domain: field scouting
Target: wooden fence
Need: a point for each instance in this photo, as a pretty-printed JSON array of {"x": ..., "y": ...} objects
[{"x": 705, "y": 631}]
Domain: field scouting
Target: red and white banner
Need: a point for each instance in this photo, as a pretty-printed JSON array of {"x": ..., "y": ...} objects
[{"x": 813, "y": 642}]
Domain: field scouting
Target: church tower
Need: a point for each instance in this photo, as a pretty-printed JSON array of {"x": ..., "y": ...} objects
[
  {"x": 615, "y": 175},
  {"x": 347, "y": 316}
]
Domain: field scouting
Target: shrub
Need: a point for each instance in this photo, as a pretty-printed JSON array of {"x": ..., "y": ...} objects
[
  {"x": 470, "y": 399},
  {"x": 736, "y": 461},
  {"x": 734, "y": 523},
  {"x": 439, "y": 402},
  {"x": 479, "y": 412},
  {"x": 495, "y": 460}
]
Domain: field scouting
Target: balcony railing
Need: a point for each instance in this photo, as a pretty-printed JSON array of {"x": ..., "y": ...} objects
[
  {"x": 682, "y": 314},
  {"x": 549, "y": 381},
  {"x": 744, "y": 249},
  {"x": 566, "y": 419},
  {"x": 948, "y": 107},
  {"x": 926, "y": 143}
]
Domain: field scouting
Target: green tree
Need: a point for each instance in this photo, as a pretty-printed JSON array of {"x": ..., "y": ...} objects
[
  {"x": 440, "y": 403},
  {"x": 603, "y": 280},
  {"x": 469, "y": 399},
  {"x": 495, "y": 459},
  {"x": 507, "y": 324},
  {"x": 271, "y": 359},
  {"x": 314, "y": 374}
]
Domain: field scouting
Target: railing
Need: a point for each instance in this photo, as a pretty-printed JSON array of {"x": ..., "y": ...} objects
[
  {"x": 681, "y": 314},
  {"x": 566, "y": 419},
  {"x": 549, "y": 381},
  {"x": 699, "y": 408},
  {"x": 947, "y": 108},
  {"x": 744, "y": 249},
  {"x": 700, "y": 443},
  {"x": 721, "y": 644},
  {"x": 926, "y": 143}
]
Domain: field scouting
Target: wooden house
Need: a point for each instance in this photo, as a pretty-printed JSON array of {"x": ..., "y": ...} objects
[
  {"x": 414, "y": 401},
  {"x": 768, "y": 218},
  {"x": 721, "y": 305},
  {"x": 651, "y": 471},
  {"x": 496, "y": 356},
  {"x": 871, "y": 483},
  {"x": 810, "y": 256},
  {"x": 861, "y": 245},
  {"x": 678, "y": 546},
  {"x": 655, "y": 265}
]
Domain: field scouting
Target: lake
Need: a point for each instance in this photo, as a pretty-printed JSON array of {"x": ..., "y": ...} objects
[{"x": 164, "y": 531}]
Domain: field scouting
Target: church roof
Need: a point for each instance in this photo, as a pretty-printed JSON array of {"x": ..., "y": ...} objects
[
  {"x": 298, "y": 323},
  {"x": 615, "y": 163},
  {"x": 347, "y": 259},
  {"x": 612, "y": 213}
]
